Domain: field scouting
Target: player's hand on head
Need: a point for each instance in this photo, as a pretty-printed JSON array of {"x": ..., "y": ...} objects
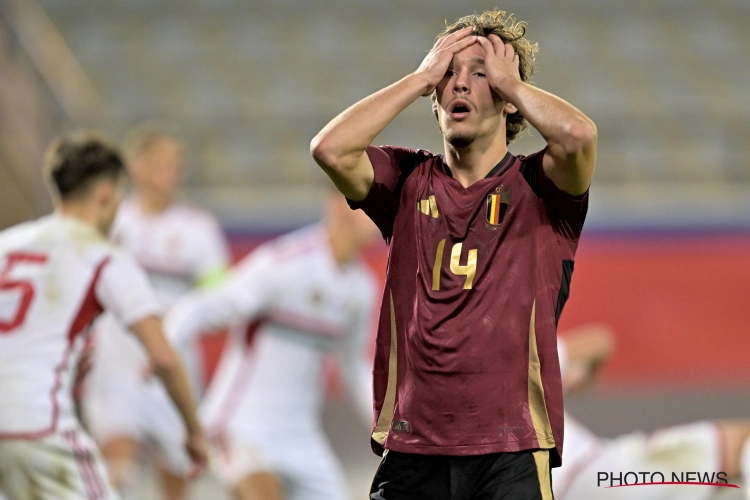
[
  {"x": 438, "y": 59},
  {"x": 500, "y": 61},
  {"x": 197, "y": 448}
]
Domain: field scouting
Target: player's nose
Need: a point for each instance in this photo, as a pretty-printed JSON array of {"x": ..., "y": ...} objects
[{"x": 461, "y": 82}]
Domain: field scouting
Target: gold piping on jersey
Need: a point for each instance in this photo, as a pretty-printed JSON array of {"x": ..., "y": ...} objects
[
  {"x": 541, "y": 457},
  {"x": 537, "y": 405},
  {"x": 389, "y": 401}
]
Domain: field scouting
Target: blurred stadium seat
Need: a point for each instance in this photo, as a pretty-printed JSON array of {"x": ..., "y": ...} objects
[{"x": 252, "y": 82}]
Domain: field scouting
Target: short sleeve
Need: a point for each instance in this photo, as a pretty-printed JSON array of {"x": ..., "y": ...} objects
[
  {"x": 391, "y": 165},
  {"x": 124, "y": 290},
  {"x": 566, "y": 212}
]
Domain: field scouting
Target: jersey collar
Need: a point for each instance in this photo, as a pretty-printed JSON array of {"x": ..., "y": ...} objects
[{"x": 497, "y": 170}]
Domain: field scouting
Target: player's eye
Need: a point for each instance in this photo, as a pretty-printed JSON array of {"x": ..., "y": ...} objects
[
  {"x": 450, "y": 73},
  {"x": 481, "y": 75}
]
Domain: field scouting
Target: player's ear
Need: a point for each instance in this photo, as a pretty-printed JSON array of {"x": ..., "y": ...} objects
[
  {"x": 510, "y": 108},
  {"x": 102, "y": 190},
  {"x": 108, "y": 191},
  {"x": 434, "y": 109}
]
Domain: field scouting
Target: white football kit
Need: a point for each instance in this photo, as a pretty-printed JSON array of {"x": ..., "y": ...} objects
[
  {"x": 178, "y": 248},
  {"x": 263, "y": 407},
  {"x": 680, "y": 449},
  {"x": 56, "y": 275}
]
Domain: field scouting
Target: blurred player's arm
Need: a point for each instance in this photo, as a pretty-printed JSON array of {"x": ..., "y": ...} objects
[
  {"x": 240, "y": 297},
  {"x": 583, "y": 351},
  {"x": 571, "y": 136},
  {"x": 340, "y": 148},
  {"x": 167, "y": 365},
  {"x": 124, "y": 290}
]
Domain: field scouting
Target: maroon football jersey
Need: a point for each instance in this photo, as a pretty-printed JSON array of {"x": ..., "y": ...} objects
[{"x": 466, "y": 352}]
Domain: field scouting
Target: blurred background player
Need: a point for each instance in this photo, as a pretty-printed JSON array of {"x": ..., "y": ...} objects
[
  {"x": 180, "y": 247},
  {"x": 57, "y": 274},
  {"x": 298, "y": 297},
  {"x": 705, "y": 446}
]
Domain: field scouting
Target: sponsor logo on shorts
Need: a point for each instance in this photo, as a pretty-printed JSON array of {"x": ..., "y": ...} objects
[
  {"x": 400, "y": 426},
  {"x": 657, "y": 478}
]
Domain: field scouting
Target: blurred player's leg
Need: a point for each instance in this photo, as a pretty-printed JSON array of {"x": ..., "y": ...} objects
[
  {"x": 259, "y": 486},
  {"x": 32, "y": 469},
  {"x": 745, "y": 467},
  {"x": 693, "y": 447},
  {"x": 308, "y": 465},
  {"x": 243, "y": 470},
  {"x": 735, "y": 445},
  {"x": 120, "y": 456},
  {"x": 734, "y": 435},
  {"x": 173, "y": 484}
]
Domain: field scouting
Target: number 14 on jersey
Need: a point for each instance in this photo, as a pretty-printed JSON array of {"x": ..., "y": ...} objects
[{"x": 469, "y": 269}]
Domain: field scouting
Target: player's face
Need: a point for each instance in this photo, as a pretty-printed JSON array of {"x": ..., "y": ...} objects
[
  {"x": 467, "y": 108},
  {"x": 160, "y": 167},
  {"x": 114, "y": 192}
]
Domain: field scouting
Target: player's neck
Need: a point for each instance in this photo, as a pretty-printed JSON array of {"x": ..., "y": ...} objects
[
  {"x": 80, "y": 211},
  {"x": 152, "y": 203},
  {"x": 472, "y": 163}
]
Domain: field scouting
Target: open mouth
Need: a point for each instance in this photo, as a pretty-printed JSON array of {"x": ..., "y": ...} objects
[{"x": 459, "y": 110}]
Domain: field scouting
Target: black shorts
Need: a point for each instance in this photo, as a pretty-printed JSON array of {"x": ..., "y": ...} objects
[{"x": 523, "y": 475}]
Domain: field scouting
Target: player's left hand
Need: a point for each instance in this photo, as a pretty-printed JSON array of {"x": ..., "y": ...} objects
[
  {"x": 197, "y": 448},
  {"x": 500, "y": 62}
]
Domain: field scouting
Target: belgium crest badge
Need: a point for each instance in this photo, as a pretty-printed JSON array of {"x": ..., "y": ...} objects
[{"x": 497, "y": 205}]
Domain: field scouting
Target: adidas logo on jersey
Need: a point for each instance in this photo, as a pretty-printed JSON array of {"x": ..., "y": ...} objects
[{"x": 429, "y": 207}]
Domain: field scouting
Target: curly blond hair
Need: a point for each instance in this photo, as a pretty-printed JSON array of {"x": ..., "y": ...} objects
[{"x": 511, "y": 31}]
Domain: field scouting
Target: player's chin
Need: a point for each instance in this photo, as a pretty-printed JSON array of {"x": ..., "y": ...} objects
[{"x": 459, "y": 139}]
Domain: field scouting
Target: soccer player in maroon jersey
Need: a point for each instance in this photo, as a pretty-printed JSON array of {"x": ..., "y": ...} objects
[{"x": 468, "y": 400}]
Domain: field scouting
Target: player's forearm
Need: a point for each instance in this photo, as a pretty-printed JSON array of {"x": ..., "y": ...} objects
[
  {"x": 571, "y": 136},
  {"x": 182, "y": 324},
  {"x": 343, "y": 141},
  {"x": 559, "y": 122},
  {"x": 175, "y": 380},
  {"x": 194, "y": 315}
]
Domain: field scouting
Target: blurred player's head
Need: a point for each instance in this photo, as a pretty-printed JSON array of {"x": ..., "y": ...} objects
[
  {"x": 351, "y": 229},
  {"x": 154, "y": 158},
  {"x": 84, "y": 170},
  {"x": 485, "y": 106}
]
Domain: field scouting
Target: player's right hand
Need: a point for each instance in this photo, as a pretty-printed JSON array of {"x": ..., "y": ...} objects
[
  {"x": 197, "y": 449},
  {"x": 438, "y": 59}
]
